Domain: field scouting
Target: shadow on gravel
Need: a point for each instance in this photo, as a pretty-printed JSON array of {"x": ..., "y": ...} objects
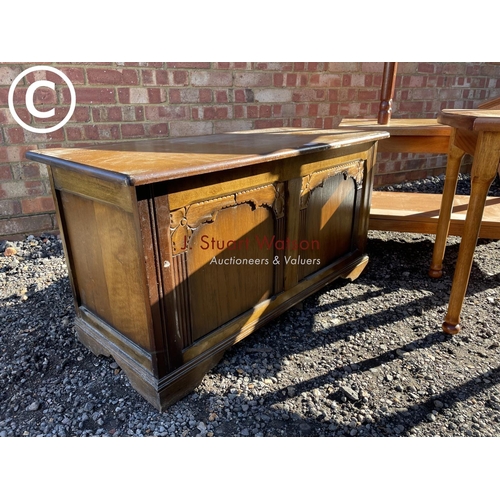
[
  {"x": 43, "y": 364},
  {"x": 394, "y": 266},
  {"x": 399, "y": 422},
  {"x": 49, "y": 382}
]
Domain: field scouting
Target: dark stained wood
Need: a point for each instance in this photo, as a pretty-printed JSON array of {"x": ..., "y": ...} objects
[
  {"x": 146, "y": 161},
  {"x": 219, "y": 268},
  {"x": 387, "y": 92},
  {"x": 328, "y": 203},
  {"x": 179, "y": 248},
  {"x": 152, "y": 264},
  {"x": 102, "y": 286}
]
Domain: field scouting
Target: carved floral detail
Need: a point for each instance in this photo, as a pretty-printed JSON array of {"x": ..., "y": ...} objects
[{"x": 185, "y": 220}]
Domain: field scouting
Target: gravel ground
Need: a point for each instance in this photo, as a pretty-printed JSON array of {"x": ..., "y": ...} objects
[{"x": 366, "y": 358}]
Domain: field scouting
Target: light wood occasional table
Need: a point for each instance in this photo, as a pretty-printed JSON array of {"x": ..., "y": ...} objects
[
  {"x": 407, "y": 135},
  {"x": 419, "y": 213},
  {"x": 475, "y": 132}
]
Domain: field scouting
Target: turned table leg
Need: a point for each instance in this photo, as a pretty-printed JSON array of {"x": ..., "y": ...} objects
[
  {"x": 455, "y": 156},
  {"x": 484, "y": 167}
]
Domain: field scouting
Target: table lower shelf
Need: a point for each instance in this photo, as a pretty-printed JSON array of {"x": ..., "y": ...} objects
[{"x": 419, "y": 213}]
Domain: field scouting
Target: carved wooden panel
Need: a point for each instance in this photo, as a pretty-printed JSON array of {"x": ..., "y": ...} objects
[
  {"x": 224, "y": 257},
  {"x": 328, "y": 201},
  {"x": 310, "y": 182}
]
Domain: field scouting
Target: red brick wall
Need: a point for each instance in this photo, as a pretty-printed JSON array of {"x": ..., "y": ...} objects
[{"x": 124, "y": 101}]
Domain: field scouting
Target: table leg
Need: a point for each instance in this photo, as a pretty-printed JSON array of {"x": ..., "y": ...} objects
[
  {"x": 483, "y": 172},
  {"x": 455, "y": 156}
]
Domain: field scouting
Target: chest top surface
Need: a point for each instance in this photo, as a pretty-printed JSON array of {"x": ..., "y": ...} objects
[{"x": 153, "y": 160}]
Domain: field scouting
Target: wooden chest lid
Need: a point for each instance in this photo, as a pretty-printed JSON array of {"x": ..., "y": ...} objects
[{"x": 153, "y": 160}]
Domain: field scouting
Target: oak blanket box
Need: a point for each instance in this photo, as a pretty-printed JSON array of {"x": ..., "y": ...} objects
[{"x": 178, "y": 248}]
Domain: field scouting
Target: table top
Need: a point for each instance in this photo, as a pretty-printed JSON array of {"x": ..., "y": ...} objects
[
  {"x": 471, "y": 119},
  {"x": 153, "y": 160},
  {"x": 400, "y": 126}
]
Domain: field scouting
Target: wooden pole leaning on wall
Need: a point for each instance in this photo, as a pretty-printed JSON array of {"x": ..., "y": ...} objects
[{"x": 387, "y": 93}]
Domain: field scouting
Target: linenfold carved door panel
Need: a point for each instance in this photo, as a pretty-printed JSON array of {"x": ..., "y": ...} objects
[
  {"x": 327, "y": 215},
  {"x": 224, "y": 257}
]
